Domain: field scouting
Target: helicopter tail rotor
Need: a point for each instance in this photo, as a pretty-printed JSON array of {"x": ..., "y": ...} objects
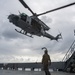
[{"x": 59, "y": 36}]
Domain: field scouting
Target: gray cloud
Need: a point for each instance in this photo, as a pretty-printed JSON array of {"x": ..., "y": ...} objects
[{"x": 16, "y": 47}]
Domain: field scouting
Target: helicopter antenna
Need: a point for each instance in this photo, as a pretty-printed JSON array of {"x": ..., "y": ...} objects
[
  {"x": 19, "y": 12},
  {"x": 56, "y": 9},
  {"x": 26, "y": 6}
]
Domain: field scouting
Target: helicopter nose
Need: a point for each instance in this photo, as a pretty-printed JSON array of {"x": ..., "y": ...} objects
[
  {"x": 13, "y": 18},
  {"x": 10, "y": 18}
]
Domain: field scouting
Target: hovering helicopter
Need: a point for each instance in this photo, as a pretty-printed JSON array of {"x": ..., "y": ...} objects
[{"x": 32, "y": 25}]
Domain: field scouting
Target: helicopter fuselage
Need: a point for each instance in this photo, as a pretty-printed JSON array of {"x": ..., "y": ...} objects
[{"x": 30, "y": 25}]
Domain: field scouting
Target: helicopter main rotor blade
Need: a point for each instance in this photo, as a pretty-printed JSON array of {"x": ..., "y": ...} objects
[
  {"x": 56, "y": 9},
  {"x": 26, "y": 6}
]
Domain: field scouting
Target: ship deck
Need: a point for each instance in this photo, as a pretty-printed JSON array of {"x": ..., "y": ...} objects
[{"x": 15, "y": 72}]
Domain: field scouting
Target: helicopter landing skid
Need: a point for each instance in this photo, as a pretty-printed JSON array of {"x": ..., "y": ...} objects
[{"x": 24, "y": 33}]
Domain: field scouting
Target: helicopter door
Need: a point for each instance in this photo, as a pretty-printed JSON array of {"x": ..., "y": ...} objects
[
  {"x": 28, "y": 20},
  {"x": 36, "y": 25}
]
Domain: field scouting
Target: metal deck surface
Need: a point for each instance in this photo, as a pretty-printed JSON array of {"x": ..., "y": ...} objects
[{"x": 13, "y": 72}]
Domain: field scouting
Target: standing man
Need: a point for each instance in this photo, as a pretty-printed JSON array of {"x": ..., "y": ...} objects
[{"x": 46, "y": 61}]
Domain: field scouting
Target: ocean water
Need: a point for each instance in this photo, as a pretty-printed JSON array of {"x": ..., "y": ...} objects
[{"x": 19, "y": 72}]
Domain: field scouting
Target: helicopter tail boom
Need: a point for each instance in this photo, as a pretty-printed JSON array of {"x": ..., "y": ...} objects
[{"x": 52, "y": 37}]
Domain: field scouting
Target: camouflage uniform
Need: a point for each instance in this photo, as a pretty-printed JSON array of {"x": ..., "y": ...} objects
[{"x": 46, "y": 61}]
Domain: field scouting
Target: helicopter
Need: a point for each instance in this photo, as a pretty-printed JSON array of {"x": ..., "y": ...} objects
[{"x": 32, "y": 25}]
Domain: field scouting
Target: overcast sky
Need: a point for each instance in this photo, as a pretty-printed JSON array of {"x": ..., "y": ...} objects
[{"x": 15, "y": 47}]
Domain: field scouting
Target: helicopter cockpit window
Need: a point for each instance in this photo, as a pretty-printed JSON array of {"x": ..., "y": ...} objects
[{"x": 23, "y": 16}]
